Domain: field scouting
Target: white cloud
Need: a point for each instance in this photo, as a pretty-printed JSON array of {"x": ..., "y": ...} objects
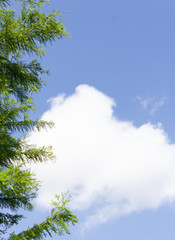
[
  {"x": 157, "y": 105},
  {"x": 110, "y": 166},
  {"x": 145, "y": 102},
  {"x": 151, "y": 103}
]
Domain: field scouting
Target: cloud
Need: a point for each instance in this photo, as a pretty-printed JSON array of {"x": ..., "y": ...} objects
[
  {"x": 151, "y": 103},
  {"x": 110, "y": 166},
  {"x": 145, "y": 102}
]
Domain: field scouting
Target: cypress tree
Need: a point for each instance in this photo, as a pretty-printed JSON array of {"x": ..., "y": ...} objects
[{"x": 20, "y": 36}]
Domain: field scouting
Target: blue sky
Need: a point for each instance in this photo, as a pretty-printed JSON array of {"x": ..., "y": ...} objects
[
  {"x": 114, "y": 136},
  {"x": 123, "y": 48}
]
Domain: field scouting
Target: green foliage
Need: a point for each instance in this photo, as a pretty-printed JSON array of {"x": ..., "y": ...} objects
[
  {"x": 57, "y": 223},
  {"x": 3, "y": 3},
  {"x": 20, "y": 36},
  {"x": 25, "y": 34},
  {"x": 14, "y": 118},
  {"x": 19, "y": 78},
  {"x": 17, "y": 188}
]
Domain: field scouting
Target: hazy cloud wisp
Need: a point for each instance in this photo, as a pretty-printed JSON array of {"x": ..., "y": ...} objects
[{"x": 152, "y": 104}]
